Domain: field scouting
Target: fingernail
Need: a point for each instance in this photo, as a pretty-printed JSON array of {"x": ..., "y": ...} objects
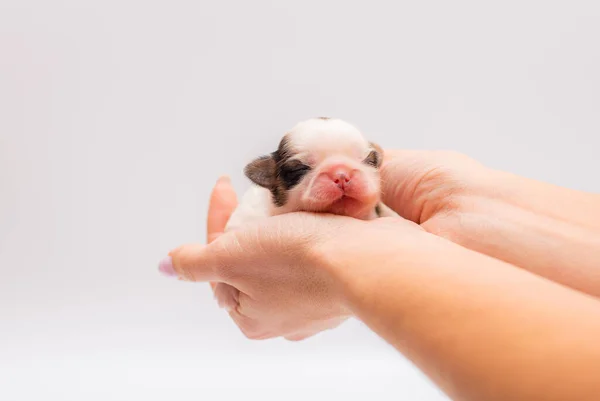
[
  {"x": 223, "y": 179},
  {"x": 166, "y": 267}
]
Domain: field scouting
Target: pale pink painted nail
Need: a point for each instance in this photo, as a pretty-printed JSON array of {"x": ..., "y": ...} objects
[
  {"x": 224, "y": 179},
  {"x": 166, "y": 267}
]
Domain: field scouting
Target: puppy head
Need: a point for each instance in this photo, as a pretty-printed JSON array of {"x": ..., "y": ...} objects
[{"x": 321, "y": 165}]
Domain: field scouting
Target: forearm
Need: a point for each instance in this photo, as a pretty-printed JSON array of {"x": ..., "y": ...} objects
[
  {"x": 479, "y": 328},
  {"x": 529, "y": 224},
  {"x": 551, "y": 231},
  {"x": 562, "y": 204}
]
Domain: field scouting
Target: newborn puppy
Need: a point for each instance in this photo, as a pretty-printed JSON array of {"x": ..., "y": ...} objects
[{"x": 322, "y": 165}]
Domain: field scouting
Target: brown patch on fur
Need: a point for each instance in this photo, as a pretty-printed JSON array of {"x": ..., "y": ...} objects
[
  {"x": 378, "y": 210},
  {"x": 282, "y": 154},
  {"x": 324, "y": 118},
  {"x": 261, "y": 171},
  {"x": 279, "y": 196},
  {"x": 287, "y": 173},
  {"x": 278, "y": 174},
  {"x": 375, "y": 157},
  {"x": 275, "y": 173}
]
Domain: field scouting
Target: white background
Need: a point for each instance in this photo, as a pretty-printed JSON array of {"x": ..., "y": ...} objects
[{"x": 117, "y": 117}]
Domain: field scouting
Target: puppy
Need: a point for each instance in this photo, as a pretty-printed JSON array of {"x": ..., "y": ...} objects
[{"x": 322, "y": 165}]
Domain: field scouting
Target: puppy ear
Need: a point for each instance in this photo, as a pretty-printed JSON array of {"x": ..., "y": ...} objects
[
  {"x": 261, "y": 171},
  {"x": 375, "y": 158}
]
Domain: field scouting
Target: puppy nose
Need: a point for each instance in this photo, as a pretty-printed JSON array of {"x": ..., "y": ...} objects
[{"x": 341, "y": 177}]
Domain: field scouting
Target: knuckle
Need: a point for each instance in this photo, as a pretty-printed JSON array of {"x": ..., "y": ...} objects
[
  {"x": 295, "y": 338},
  {"x": 250, "y": 330},
  {"x": 251, "y": 335},
  {"x": 184, "y": 264}
]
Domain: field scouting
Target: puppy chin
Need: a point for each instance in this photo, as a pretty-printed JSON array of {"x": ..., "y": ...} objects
[
  {"x": 352, "y": 208},
  {"x": 328, "y": 198}
]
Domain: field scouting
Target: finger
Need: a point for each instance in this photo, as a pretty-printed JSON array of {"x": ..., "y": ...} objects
[
  {"x": 222, "y": 203},
  {"x": 190, "y": 263},
  {"x": 251, "y": 328},
  {"x": 299, "y": 337},
  {"x": 402, "y": 175},
  {"x": 220, "y": 260},
  {"x": 227, "y": 296},
  {"x": 416, "y": 183}
]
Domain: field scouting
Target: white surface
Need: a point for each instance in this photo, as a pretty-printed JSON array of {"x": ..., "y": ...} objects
[{"x": 116, "y": 118}]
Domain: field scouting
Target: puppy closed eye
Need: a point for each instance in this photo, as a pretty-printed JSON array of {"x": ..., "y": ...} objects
[
  {"x": 292, "y": 173},
  {"x": 373, "y": 159}
]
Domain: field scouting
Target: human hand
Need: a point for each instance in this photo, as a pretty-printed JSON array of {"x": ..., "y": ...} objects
[
  {"x": 427, "y": 187},
  {"x": 551, "y": 231},
  {"x": 300, "y": 273},
  {"x": 285, "y": 288},
  {"x": 222, "y": 203}
]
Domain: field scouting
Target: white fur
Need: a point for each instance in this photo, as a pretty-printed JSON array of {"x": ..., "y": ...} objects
[
  {"x": 317, "y": 139},
  {"x": 320, "y": 144},
  {"x": 316, "y": 142},
  {"x": 254, "y": 205}
]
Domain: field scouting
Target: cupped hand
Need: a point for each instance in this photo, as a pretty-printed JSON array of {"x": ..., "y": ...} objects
[
  {"x": 282, "y": 287},
  {"x": 427, "y": 187},
  {"x": 281, "y": 270},
  {"x": 285, "y": 286}
]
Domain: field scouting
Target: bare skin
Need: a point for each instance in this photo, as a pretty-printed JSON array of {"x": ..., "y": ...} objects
[
  {"x": 551, "y": 231},
  {"x": 481, "y": 328}
]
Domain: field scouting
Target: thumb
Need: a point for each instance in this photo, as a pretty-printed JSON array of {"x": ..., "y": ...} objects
[
  {"x": 217, "y": 262},
  {"x": 193, "y": 262}
]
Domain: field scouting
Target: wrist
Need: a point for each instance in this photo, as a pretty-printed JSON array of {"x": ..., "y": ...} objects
[
  {"x": 359, "y": 261},
  {"x": 540, "y": 198},
  {"x": 334, "y": 273},
  {"x": 516, "y": 226}
]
